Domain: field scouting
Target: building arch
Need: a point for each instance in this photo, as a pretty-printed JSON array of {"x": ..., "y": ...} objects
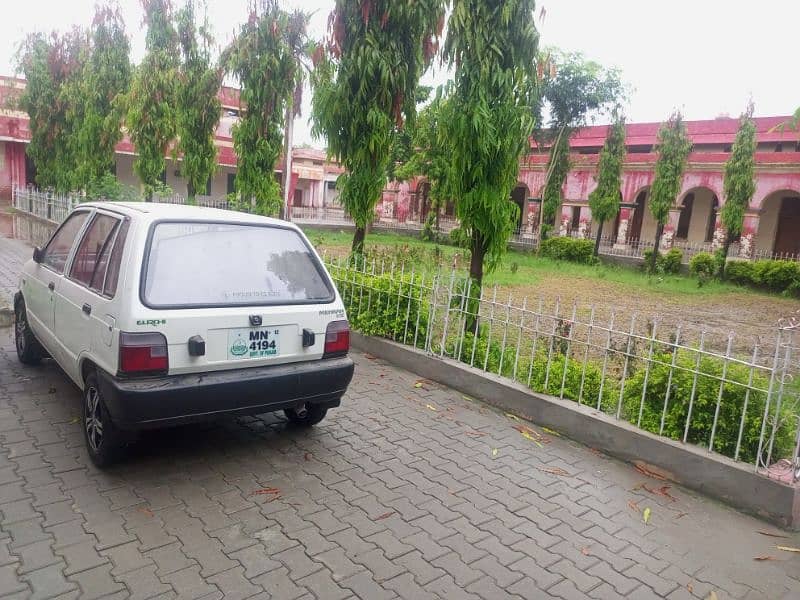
[
  {"x": 699, "y": 207},
  {"x": 519, "y": 196},
  {"x": 779, "y": 224}
]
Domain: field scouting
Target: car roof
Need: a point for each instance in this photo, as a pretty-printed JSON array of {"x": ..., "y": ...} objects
[{"x": 157, "y": 211}]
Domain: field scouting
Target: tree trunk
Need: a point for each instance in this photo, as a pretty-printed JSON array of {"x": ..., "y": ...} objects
[
  {"x": 597, "y": 241},
  {"x": 476, "y": 275},
  {"x": 654, "y": 258},
  {"x": 358, "y": 240},
  {"x": 725, "y": 247},
  {"x": 287, "y": 159},
  {"x": 190, "y": 193}
]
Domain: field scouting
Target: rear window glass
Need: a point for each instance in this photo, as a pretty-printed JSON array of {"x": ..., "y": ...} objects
[{"x": 216, "y": 264}]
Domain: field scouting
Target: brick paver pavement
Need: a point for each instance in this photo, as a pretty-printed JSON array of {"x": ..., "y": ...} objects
[{"x": 409, "y": 490}]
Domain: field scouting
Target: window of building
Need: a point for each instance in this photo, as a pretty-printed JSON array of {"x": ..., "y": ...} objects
[
  {"x": 576, "y": 218},
  {"x": 331, "y": 185},
  {"x": 231, "y": 187}
]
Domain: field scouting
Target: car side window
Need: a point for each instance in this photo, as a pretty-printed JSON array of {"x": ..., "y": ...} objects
[
  {"x": 89, "y": 256},
  {"x": 112, "y": 273},
  {"x": 57, "y": 250}
]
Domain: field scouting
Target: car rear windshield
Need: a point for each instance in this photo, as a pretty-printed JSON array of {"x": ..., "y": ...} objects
[{"x": 193, "y": 264}]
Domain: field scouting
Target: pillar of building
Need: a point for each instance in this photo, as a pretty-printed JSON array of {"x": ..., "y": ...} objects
[
  {"x": 566, "y": 217},
  {"x": 585, "y": 223},
  {"x": 625, "y": 214},
  {"x": 747, "y": 242},
  {"x": 718, "y": 240},
  {"x": 670, "y": 227}
]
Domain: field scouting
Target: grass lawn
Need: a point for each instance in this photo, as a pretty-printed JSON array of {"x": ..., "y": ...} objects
[{"x": 715, "y": 307}]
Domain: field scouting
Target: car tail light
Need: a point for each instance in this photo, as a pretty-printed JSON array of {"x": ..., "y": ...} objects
[
  {"x": 337, "y": 339},
  {"x": 143, "y": 353}
]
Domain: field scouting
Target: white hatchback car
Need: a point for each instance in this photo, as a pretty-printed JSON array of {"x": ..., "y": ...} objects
[{"x": 167, "y": 314}]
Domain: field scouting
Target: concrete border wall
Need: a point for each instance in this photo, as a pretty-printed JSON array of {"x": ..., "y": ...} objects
[{"x": 713, "y": 475}]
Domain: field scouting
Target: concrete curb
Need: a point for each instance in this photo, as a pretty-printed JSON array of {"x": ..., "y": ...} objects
[{"x": 713, "y": 475}]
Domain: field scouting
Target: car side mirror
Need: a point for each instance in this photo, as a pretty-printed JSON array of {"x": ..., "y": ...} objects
[{"x": 38, "y": 254}]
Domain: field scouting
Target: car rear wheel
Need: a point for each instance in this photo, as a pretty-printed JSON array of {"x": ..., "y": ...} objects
[
  {"x": 306, "y": 415},
  {"x": 29, "y": 350},
  {"x": 104, "y": 441}
]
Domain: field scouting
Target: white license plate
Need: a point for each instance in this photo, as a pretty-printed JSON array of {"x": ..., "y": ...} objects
[{"x": 254, "y": 342}]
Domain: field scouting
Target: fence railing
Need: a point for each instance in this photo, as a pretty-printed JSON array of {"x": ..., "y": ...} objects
[{"x": 733, "y": 397}]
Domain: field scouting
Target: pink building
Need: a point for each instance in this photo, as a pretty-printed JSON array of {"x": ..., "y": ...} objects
[
  {"x": 313, "y": 178},
  {"x": 772, "y": 223}
]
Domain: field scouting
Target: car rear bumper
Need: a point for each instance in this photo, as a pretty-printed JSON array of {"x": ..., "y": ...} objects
[{"x": 177, "y": 399}]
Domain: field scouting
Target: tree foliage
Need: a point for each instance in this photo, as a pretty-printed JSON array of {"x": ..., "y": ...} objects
[
  {"x": 198, "y": 107},
  {"x": 487, "y": 118},
  {"x": 151, "y": 118},
  {"x": 674, "y": 147},
  {"x": 364, "y": 88},
  {"x": 575, "y": 91},
  {"x": 264, "y": 58},
  {"x": 51, "y": 64},
  {"x": 96, "y": 97},
  {"x": 739, "y": 183},
  {"x": 605, "y": 198}
]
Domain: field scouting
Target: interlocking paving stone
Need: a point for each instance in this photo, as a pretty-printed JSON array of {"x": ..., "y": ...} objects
[{"x": 400, "y": 505}]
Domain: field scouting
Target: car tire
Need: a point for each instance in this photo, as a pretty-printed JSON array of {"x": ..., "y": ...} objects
[
  {"x": 29, "y": 350},
  {"x": 104, "y": 442},
  {"x": 306, "y": 416}
]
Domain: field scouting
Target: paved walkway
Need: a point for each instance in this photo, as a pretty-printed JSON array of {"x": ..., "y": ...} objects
[{"x": 409, "y": 490}]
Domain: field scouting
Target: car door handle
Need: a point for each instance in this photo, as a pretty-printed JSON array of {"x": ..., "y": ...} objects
[
  {"x": 51, "y": 285},
  {"x": 87, "y": 309}
]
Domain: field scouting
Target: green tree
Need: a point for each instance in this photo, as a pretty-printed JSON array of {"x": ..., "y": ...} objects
[
  {"x": 198, "y": 108},
  {"x": 674, "y": 147},
  {"x": 487, "y": 120},
  {"x": 365, "y": 87},
  {"x": 428, "y": 156},
  {"x": 96, "y": 97},
  {"x": 739, "y": 184},
  {"x": 151, "y": 101},
  {"x": 50, "y": 64},
  {"x": 574, "y": 92},
  {"x": 604, "y": 200},
  {"x": 264, "y": 58}
]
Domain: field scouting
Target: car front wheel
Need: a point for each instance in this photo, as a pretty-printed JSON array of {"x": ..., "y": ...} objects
[
  {"x": 104, "y": 441},
  {"x": 29, "y": 350},
  {"x": 306, "y": 415}
]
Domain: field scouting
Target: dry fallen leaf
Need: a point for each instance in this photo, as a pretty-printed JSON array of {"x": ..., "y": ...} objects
[
  {"x": 633, "y": 506},
  {"x": 662, "y": 491},
  {"x": 307, "y": 456},
  {"x": 553, "y": 470},
  {"x": 788, "y": 549},
  {"x": 268, "y": 491},
  {"x": 474, "y": 433},
  {"x": 712, "y": 595},
  {"x": 764, "y": 557},
  {"x": 585, "y": 551},
  {"x": 513, "y": 417},
  {"x": 145, "y": 511},
  {"x": 432, "y": 407},
  {"x": 418, "y": 384},
  {"x": 74, "y": 420},
  {"x": 689, "y": 588},
  {"x": 494, "y": 451},
  {"x": 770, "y": 534},
  {"x": 551, "y": 431},
  {"x": 385, "y": 515},
  {"x": 645, "y": 471},
  {"x": 646, "y": 515}
]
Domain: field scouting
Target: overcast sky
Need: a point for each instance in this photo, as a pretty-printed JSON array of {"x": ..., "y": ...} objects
[{"x": 706, "y": 57}]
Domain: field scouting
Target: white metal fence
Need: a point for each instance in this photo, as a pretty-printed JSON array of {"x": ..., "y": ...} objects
[{"x": 730, "y": 395}]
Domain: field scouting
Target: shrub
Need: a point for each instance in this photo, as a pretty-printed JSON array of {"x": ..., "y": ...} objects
[
  {"x": 741, "y": 272},
  {"x": 665, "y": 263},
  {"x": 704, "y": 406},
  {"x": 460, "y": 238},
  {"x": 387, "y": 305},
  {"x": 571, "y": 249},
  {"x": 703, "y": 265}
]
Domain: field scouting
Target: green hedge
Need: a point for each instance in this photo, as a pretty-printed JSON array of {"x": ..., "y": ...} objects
[
  {"x": 780, "y": 276},
  {"x": 670, "y": 262},
  {"x": 567, "y": 248},
  {"x": 705, "y": 401}
]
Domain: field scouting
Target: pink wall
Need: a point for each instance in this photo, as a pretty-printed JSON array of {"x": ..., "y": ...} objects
[{"x": 12, "y": 168}]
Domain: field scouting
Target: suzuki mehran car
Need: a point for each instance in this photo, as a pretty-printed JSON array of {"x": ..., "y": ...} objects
[{"x": 168, "y": 314}]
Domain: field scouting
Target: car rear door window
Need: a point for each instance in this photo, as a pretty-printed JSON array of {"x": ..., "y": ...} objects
[
  {"x": 95, "y": 243},
  {"x": 112, "y": 274},
  {"x": 194, "y": 264},
  {"x": 57, "y": 251}
]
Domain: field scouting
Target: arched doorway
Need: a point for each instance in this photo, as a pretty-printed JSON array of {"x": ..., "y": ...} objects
[
  {"x": 519, "y": 196},
  {"x": 698, "y": 216},
  {"x": 779, "y": 225},
  {"x": 639, "y": 212}
]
